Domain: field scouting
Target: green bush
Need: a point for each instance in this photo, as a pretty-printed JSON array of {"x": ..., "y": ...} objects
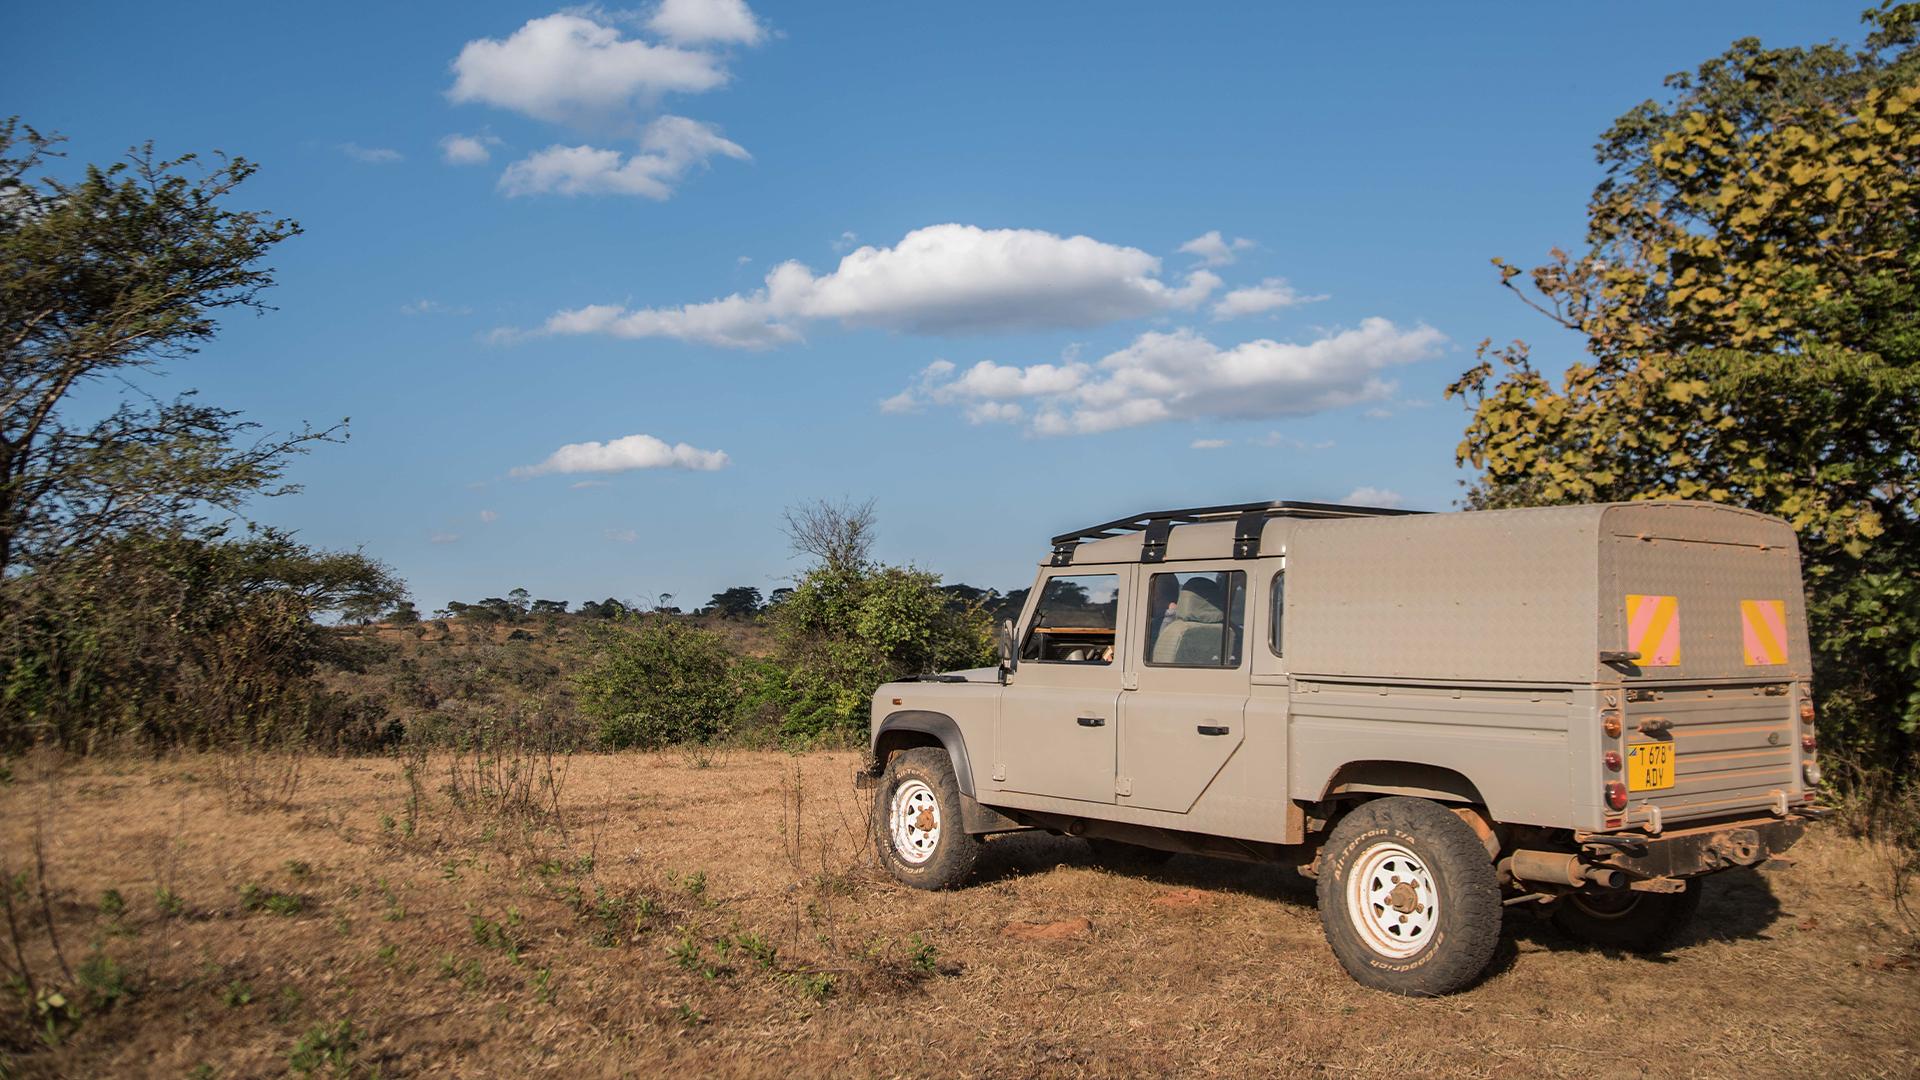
[
  {"x": 185, "y": 639},
  {"x": 652, "y": 681},
  {"x": 847, "y": 628}
]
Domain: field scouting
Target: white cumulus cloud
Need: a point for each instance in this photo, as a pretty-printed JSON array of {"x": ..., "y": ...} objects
[
  {"x": 623, "y": 454},
  {"x": 1213, "y": 249},
  {"x": 693, "y": 22},
  {"x": 488, "y": 517},
  {"x": 1180, "y": 375},
  {"x": 467, "y": 149},
  {"x": 1373, "y": 496},
  {"x": 1207, "y": 444},
  {"x": 941, "y": 279},
  {"x": 567, "y": 68},
  {"x": 671, "y": 146},
  {"x": 1271, "y": 294}
]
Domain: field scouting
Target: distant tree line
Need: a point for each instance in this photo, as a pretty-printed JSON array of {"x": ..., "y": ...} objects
[{"x": 738, "y": 602}]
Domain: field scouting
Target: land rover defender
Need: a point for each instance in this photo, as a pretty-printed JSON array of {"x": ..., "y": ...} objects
[{"x": 1436, "y": 716}]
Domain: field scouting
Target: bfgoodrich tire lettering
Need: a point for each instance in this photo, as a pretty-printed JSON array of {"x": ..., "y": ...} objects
[
  {"x": 1408, "y": 898},
  {"x": 917, "y": 830}
]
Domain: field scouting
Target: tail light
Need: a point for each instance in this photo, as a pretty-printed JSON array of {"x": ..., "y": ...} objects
[
  {"x": 1610, "y": 723},
  {"x": 1806, "y": 742},
  {"x": 1811, "y": 770},
  {"x": 1617, "y": 793},
  {"x": 1612, "y": 760},
  {"x": 1806, "y": 711}
]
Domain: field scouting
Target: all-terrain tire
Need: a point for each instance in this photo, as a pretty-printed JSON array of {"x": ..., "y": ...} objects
[
  {"x": 917, "y": 828},
  {"x": 1639, "y": 922},
  {"x": 1118, "y": 855},
  {"x": 1408, "y": 898}
]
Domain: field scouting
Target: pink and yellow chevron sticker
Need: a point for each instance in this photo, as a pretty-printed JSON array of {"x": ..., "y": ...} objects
[
  {"x": 1653, "y": 629},
  {"x": 1763, "y": 631}
]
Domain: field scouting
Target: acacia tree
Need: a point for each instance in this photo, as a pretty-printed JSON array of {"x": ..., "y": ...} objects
[
  {"x": 129, "y": 607},
  {"x": 101, "y": 279},
  {"x": 1747, "y": 303}
]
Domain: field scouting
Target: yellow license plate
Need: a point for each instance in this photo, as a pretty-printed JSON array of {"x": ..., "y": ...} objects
[{"x": 1650, "y": 766}]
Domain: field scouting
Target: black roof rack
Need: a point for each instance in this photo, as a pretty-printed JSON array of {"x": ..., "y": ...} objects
[{"x": 1248, "y": 519}]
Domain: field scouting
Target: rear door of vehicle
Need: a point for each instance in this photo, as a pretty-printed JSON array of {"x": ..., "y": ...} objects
[
  {"x": 1189, "y": 668},
  {"x": 1709, "y": 602}
]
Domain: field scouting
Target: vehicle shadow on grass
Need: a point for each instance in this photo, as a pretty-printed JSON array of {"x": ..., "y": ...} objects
[
  {"x": 1021, "y": 854},
  {"x": 1738, "y": 905}
]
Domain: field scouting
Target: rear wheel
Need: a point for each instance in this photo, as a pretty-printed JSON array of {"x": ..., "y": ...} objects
[
  {"x": 1642, "y": 922},
  {"x": 1408, "y": 898},
  {"x": 917, "y": 829}
]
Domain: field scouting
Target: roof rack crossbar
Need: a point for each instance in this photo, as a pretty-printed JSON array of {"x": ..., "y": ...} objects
[{"x": 1241, "y": 513}]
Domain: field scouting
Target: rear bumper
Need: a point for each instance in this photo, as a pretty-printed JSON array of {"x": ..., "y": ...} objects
[{"x": 1701, "y": 849}]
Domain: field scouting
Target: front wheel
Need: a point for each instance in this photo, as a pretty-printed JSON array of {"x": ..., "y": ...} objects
[
  {"x": 917, "y": 829},
  {"x": 1408, "y": 898},
  {"x": 1640, "y": 922}
]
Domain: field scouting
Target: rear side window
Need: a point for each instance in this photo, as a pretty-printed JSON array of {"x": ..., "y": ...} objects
[
  {"x": 1279, "y": 613},
  {"x": 1196, "y": 620},
  {"x": 1074, "y": 621}
]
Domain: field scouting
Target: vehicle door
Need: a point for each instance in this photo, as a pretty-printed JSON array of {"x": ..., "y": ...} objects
[
  {"x": 1190, "y": 665},
  {"x": 1059, "y": 711}
]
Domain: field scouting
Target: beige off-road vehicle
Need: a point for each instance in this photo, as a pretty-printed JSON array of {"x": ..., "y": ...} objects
[{"x": 1435, "y": 715}]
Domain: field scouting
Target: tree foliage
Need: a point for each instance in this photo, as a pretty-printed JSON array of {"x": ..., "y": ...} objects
[
  {"x": 847, "y": 628},
  {"x": 185, "y": 639},
  {"x": 654, "y": 681},
  {"x": 101, "y": 279},
  {"x": 1747, "y": 305},
  {"x": 738, "y": 602},
  {"x": 130, "y": 608}
]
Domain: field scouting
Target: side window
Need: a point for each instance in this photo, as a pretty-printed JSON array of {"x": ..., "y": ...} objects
[
  {"x": 1279, "y": 613},
  {"x": 1196, "y": 620},
  {"x": 1074, "y": 621}
]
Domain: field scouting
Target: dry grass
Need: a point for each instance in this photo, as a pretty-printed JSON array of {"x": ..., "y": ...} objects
[{"x": 720, "y": 917}]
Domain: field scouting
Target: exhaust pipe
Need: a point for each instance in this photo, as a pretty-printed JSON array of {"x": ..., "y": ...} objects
[{"x": 1557, "y": 868}]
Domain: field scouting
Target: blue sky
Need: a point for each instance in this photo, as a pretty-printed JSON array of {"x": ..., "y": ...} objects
[{"x": 641, "y": 232}]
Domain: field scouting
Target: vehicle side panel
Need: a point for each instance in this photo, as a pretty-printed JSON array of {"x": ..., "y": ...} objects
[{"x": 1514, "y": 745}]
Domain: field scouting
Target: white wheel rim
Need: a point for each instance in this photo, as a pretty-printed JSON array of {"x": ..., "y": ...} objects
[
  {"x": 1392, "y": 899},
  {"x": 914, "y": 820}
]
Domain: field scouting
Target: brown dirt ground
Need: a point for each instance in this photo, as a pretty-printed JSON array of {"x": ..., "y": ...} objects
[{"x": 1202, "y": 968}]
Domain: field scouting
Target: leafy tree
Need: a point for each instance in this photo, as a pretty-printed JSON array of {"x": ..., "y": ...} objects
[
  {"x": 851, "y": 625},
  {"x": 653, "y": 682},
  {"x": 520, "y": 600},
  {"x": 1748, "y": 306},
  {"x": 549, "y": 607},
  {"x": 739, "y": 602},
  {"x": 100, "y": 280},
  {"x": 603, "y": 609},
  {"x": 1008, "y": 606},
  {"x": 404, "y": 614}
]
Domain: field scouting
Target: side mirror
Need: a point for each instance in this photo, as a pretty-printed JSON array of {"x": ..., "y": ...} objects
[{"x": 1009, "y": 652}]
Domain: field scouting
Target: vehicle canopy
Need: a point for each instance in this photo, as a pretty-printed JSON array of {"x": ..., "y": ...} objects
[{"x": 1641, "y": 591}]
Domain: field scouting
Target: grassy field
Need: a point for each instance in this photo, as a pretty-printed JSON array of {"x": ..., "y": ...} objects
[{"x": 630, "y": 914}]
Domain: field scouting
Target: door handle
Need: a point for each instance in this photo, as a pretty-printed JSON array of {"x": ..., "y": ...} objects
[
  {"x": 1212, "y": 729},
  {"x": 1093, "y": 721}
]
